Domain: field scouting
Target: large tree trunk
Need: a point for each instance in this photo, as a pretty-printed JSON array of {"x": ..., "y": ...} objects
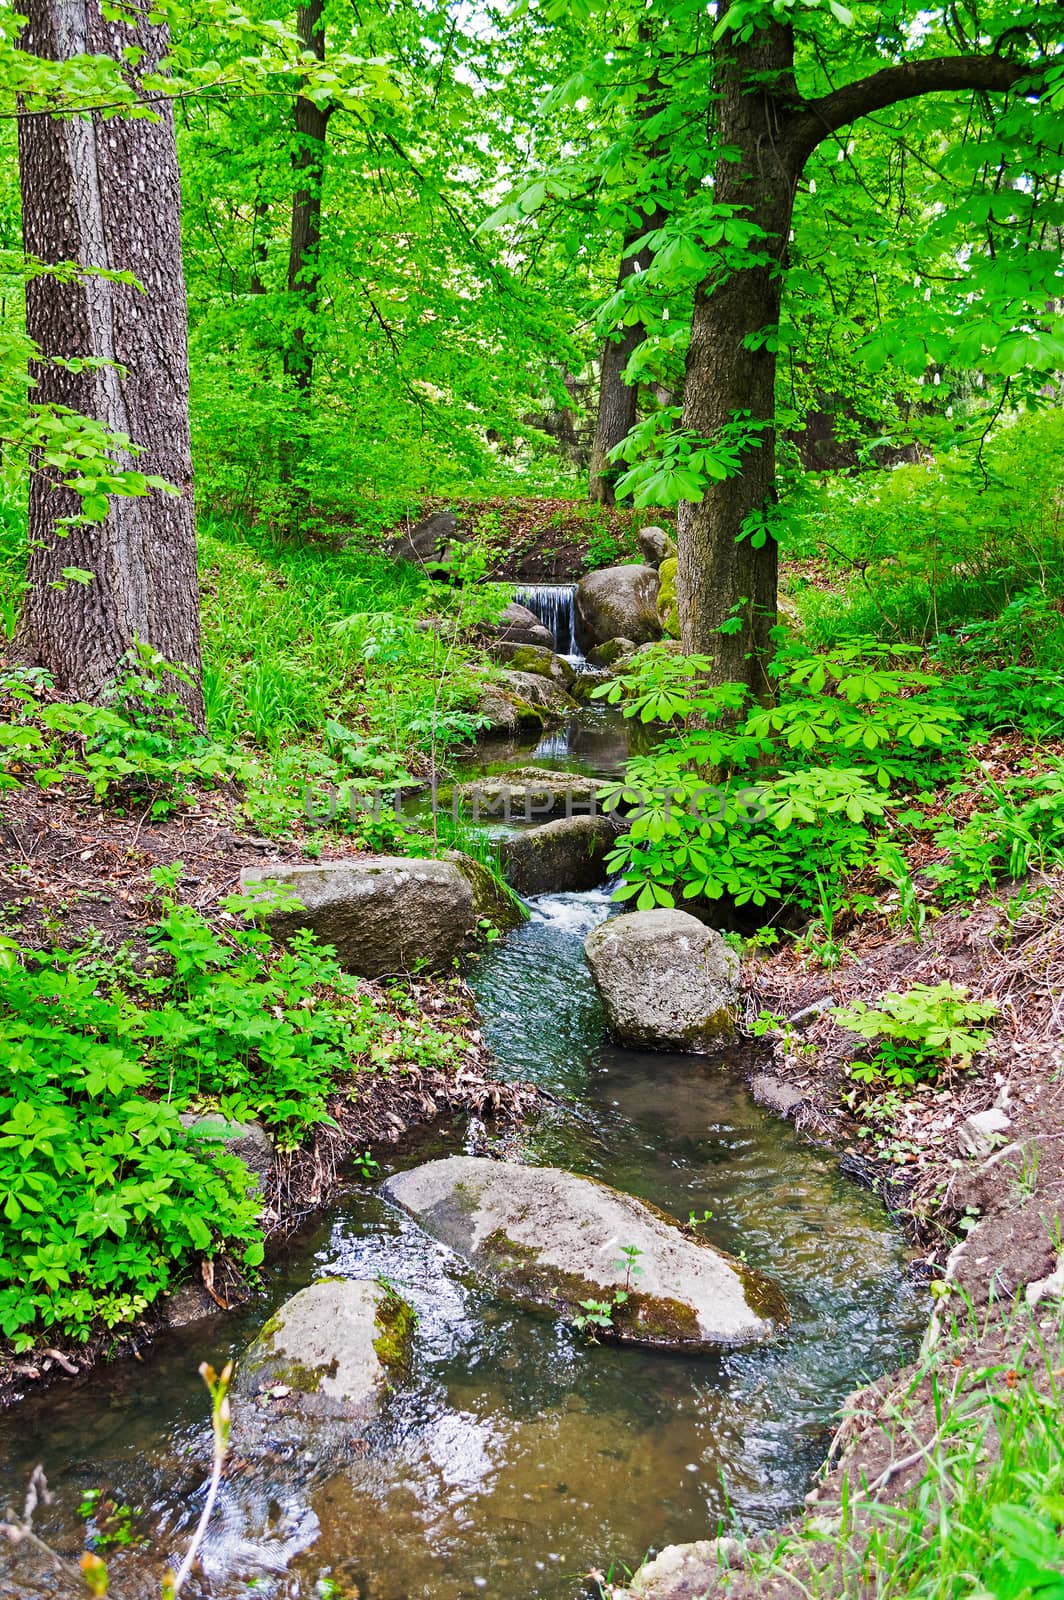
[
  {"x": 308, "y": 159},
  {"x": 617, "y": 399},
  {"x": 107, "y": 194},
  {"x": 721, "y": 577}
]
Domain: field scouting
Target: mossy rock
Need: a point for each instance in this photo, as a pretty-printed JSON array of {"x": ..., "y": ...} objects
[
  {"x": 333, "y": 1350},
  {"x": 668, "y": 611},
  {"x": 554, "y": 1239}
]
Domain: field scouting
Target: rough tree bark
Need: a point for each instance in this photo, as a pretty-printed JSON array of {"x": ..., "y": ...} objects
[
  {"x": 107, "y": 194},
  {"x": 771, "y": 132},
  {"x": 308, "y": 160},
  {"x": 618, "y": 400}
]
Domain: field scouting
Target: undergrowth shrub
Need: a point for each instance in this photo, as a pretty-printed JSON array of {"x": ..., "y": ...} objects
[
  {"x": 918, "y": 1034},
  {"x": 765, "y": 804},
  {"x": 106, "y": 1195}
]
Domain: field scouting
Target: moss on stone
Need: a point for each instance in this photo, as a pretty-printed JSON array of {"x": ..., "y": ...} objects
[{"x": 394, "y": 1344}]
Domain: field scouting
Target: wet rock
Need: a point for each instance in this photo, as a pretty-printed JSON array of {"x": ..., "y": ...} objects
[
  {"x": 387, "y": 915},
  {"x": 518, "y": 625},
  {"x": 684, "y": 1571},
  {"x": 551, "y": 1238},
  {"x": 619, "y": 603},
  {"x": 536, "y": 659},
  {"x": 654, "y": 545},
  {"x": 980, "y": 1133},
  {"x": 544, "y": 693},
  {"x": 569, "y": 854},
  {"x": 189, "y": 1304},
  {"x": 771, "y": 1092},
  {"x": 667, "y": 981},
  {"x": 530, "y": 794},
  {"x": 608, "y": 654},
  {"x": 248, "y": 1141},
  {"x": 504, "y": 714},
  {"x": 329, "y": 1352}
]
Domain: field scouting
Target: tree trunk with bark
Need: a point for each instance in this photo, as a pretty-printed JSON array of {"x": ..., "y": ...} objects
[
  {"x": 618, "y": 400},
  {"x": 721, "y": 578},
  {"x": 308, "y": 160},
  {"x": 107, "y": 194},
  {"x": 770, "y": 132}
]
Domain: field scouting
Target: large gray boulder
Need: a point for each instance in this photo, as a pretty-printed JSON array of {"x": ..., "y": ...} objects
[
  {"x": 332, "y": 1351},
  {"x": 551, "y": 1238},
  {"x": 619, "y": 603},
  {"x": 566, "y": 855},
  {"x": 518, "y": 625},
  {"x": 655, "y": 545},
  {"x": 530, "y": 794},
  {"x": 387, "y": 915},
  {"x": 667, "y": 982}
]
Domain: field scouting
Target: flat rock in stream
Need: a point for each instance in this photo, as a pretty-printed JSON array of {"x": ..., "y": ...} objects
[
  {"x": 531, "y": 794},
  {"x": 554, "y": 1239}
]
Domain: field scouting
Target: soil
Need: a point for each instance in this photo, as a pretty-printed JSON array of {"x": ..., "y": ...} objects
[
  {"x": 545, "y": 541},
  {"x": 70, "y": 868}
]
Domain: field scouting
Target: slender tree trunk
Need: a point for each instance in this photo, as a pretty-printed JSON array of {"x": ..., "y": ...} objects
[
  {"x": 618, "y": 400},
  {"x": 721, "y": 577},
  {"x": 107, "y": 194},
  {"x": 308, "y": 160}
]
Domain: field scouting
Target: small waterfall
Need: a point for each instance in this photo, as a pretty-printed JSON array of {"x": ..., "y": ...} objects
[{"x": 554, "y": 604}]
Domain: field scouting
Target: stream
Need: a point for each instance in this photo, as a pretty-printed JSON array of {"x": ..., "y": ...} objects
[{"x": 520, "y": 1456}]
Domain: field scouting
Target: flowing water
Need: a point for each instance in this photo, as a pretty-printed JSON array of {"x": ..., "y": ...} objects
[
  {"x": 519, "y": 1456},
  {"x": 555, "y": 606}
]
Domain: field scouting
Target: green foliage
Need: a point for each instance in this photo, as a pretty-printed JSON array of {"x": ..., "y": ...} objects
[
  {"x": 1020, "y": 831},
  {"x": 106, "y": 1194},
  {"x": 770, "y": 804},
  {"x": 138, "y": 745},
  {"x": 921, "y": 1033}
]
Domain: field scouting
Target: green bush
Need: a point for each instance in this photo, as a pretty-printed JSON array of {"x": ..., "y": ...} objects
[
  {"x": 106, "y": 1195},
  {"x": 919, "y": 1034}
]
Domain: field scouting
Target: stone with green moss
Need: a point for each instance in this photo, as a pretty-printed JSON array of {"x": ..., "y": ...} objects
[
  {"x": 333, "y": 1351},
  {"x": 554, "y": 1239},
  {"x": 667, "y": 982},
  {"x": 668, "y": 612}
]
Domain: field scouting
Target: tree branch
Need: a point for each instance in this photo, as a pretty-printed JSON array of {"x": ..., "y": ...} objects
[{"x": 817, "y": 119}]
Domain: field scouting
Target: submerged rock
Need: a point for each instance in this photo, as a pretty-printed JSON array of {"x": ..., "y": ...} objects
[
  {"x": 666, "y": 981},
  {"x": 551, "y": 1238},
  {"x": 330, "y": 1352},
  {"x": 387, "y": 915},
  {"x": 619, "y": 603},
  {"x": 568, "y": 854}
]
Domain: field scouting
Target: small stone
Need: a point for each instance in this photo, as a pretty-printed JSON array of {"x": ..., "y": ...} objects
[{"x": 981, "y": 1133}]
